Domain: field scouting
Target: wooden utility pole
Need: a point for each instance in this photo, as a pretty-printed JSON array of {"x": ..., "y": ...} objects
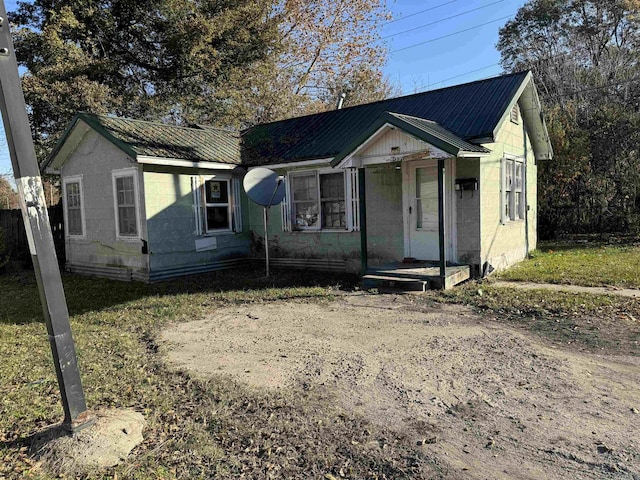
[{"x": 36, "y": 221}]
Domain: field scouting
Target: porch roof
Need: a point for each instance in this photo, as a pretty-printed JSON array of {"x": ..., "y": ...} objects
[{"x": 426, "y": 130}]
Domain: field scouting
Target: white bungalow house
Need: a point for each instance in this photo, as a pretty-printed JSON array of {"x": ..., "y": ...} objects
[{"x": 435, "y": 186}]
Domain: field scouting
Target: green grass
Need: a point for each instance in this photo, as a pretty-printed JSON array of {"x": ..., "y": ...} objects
[
  {"x": 580, "y": 264},
  {"x": 599, "y": 323},
  {"x": 196, "y": 429}
]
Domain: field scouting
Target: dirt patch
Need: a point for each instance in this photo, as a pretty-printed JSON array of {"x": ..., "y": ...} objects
[
  {"x": 104, "y": 444},
  {"x": 485, "y": 400}
]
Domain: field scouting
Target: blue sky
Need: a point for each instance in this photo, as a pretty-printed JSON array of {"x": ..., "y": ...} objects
[{"x": 433, "y": 54}]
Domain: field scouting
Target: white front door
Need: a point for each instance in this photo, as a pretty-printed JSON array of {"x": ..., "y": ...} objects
[{"x": 420, "y": 187}]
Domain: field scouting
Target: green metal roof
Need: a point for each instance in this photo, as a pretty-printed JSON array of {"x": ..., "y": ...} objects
[
  {"x": 141, "y": 138},
  {"x": 425, "y": 130},
  {"x": 468, "y": 111}
]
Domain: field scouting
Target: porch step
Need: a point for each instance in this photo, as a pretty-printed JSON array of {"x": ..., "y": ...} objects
[{"x": 399, "y": 283}]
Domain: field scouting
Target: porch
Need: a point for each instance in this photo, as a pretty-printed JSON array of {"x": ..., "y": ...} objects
[{"x": 415, "y": 276}]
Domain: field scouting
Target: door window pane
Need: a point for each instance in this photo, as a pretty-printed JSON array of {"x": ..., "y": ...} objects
[{"x": 426, "y": 198}]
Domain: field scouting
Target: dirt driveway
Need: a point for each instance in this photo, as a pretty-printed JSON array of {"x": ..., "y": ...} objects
[{"x": 485, "y": 401}]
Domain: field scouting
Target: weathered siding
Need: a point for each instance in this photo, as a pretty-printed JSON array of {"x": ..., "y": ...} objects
[
  {"x": 468, "y": 213},
  {"x": 94, "y": 159},
  {"x": 172, "y": 226},
  {"x": 333, "y": 245},
  {"x": 394, "y": 144},
  {"x": 505, "y": 244},
  {"x": 385, "y": 226}
]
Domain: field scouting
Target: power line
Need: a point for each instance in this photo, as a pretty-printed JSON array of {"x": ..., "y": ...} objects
[
  {"x": 418, "y": 13},
  {"x": 464, "y": 74},
  {"x": 451, "y": 34},
  {"x": 441, "y": 20},
  {"x": 591, "y": 89}
]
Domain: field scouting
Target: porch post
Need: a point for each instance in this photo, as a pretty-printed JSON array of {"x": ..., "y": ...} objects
[
  {"x": 363, "y": 221},
  {"x": 441, "y": 223}
]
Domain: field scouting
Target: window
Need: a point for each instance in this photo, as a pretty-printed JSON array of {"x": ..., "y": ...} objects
[
  {"x": 321, "y": 200},
  {"x": 126, "y": 203},
  {"x": 332, "y": 204},
  {"x": 304, "y": 192},
  {"x": 217, "y": 213},
  {"x": 513, "y": 207},
  {"x": 217, "y": 205},
  {"x": 74, "y": 207}
]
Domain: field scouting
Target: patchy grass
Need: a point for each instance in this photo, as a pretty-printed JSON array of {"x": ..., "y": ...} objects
[
  {"x": 217, "y": 428},
  {"x": 580, "y": 264},
  {"x": 602, "y": 323}
]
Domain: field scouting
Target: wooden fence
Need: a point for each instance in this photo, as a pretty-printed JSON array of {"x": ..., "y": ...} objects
[{"x": 15, "y": 237}]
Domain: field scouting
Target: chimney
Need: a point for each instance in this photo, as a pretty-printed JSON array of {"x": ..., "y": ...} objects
[{"x": 341, "y": 100}]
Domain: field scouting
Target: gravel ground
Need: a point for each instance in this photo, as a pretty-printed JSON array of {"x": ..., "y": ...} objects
[{"x": 484, "y": 400}]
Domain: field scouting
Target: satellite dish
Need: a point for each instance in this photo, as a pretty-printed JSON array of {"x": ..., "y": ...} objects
[{"x": 265, "y": 187}]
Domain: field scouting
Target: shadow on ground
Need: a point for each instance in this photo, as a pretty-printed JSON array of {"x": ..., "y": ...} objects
[{"x": 19, "y": 302}]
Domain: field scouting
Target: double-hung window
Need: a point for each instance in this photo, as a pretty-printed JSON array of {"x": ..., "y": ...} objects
[
  {"x": 318, "y": 201},
  {"x": 74, "y": 206},
  {"x": 513, "y": 207},
  {"x": 125, "y": 189},
  {"x": 321, "y": 200},
  {"x": 217, "y": 205}
]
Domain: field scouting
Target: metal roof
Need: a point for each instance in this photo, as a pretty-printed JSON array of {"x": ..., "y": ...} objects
[
  {"x": 432, "y": 128},
  {"x": 159, "y": 140},
  {"x": 468, "y": 111},
  {"x": 426, "y": 130}
]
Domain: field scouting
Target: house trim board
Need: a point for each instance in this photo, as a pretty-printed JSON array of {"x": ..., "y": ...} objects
[
  {"x": 303, "y": 163},
  {"x": 172, "y": 162}
]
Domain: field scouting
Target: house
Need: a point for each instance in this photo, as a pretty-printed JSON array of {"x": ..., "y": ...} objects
[
  {"x": 148, "y": 201},
  {"x": 446, "y": 176}
]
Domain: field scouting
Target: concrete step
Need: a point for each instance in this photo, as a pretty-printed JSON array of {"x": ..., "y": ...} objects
[{"x": 397, "y": 283}]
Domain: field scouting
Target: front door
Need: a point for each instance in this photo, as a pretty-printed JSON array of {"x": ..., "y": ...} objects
[{"x": 421, "y": 210}]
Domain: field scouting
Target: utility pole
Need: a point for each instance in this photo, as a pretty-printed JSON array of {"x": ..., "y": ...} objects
[{"x": 36, "y": 221}]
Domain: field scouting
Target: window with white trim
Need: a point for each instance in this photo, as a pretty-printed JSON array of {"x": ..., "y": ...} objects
[
  {"x": 125, "y": 189},
  {"x": 217, "y": 205},
  {"x": 74, "y": 206},
  {"x": 513, "y": 207},
  {"x": 321, "y": 200}
]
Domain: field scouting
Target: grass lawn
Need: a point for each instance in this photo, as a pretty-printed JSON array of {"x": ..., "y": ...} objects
[
  {"x": 580, "y": 264},
  {"x": 221, "y": 428},
  {"x": 598, "y": 323},
  {"x": 196, "y": 429}
]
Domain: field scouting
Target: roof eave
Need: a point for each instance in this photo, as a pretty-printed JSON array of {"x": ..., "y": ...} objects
[
  {"x": 527, "y": 98},
  {"x": 179, "y": 162},
  {"x": 57, "y": 158},
  {"x": 388, "y": 119}
]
